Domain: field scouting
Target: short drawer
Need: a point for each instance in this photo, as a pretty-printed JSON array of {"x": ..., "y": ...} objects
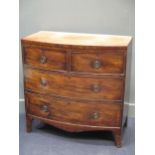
[
  {"x": 98, "y": 62},
  {"x": 107, "y": 88},
  {"x": 77, "y": 112},
  {"x": 45, "y": 58}
]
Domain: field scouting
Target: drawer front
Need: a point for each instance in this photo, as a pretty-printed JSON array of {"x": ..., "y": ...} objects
[
  {"x": 78, "y": 112},
  {"x": 101, "y": 62},
  {"x": 45, "y": 58},
  {"x": 72, "y": 86}
]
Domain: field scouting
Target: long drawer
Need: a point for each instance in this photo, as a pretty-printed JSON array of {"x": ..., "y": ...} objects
[
  {"x": 72, "y": 111},
  {"x": 101, "y": 88}
]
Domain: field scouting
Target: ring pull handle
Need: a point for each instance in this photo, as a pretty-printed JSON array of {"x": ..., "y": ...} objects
[
  {"x": 95, "y": 115},
  {"x": 45, "y": 108},
  {"x": 43, "y": 59},
  {"x": 43, "y": 82},
  {"x": 96, "y": 64},
  {"x": 96, "y": 88}
]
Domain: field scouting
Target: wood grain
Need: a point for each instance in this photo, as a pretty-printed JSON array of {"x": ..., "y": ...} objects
[
  {"x": 64, "y": 38},
  {"x": 53, "y": 59},
  {"x": 110, "y": 61},
  {"x": 72, "y": 86},
  {"x": 77, "y": 112},
  {"x": 77, "y": 82}
]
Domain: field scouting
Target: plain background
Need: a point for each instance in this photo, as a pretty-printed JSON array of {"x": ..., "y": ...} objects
[{"x": 87, "y": 16}]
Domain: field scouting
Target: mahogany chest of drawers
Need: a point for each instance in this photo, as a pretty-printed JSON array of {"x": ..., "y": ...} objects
[{"x": 77, "y": 82}]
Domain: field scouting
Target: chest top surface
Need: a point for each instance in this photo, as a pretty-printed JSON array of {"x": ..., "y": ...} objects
[{"x": 82, "y": 39}]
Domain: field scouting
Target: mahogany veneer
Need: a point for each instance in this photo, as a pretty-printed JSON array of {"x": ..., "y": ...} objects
[{"x": 77, "y": 82}]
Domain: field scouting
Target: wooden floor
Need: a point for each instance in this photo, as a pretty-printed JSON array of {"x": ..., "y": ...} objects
[{"x": 47, "y": 140}]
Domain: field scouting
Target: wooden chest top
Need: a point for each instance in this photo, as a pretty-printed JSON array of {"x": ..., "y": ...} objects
[{"x": 81, "y": 39}]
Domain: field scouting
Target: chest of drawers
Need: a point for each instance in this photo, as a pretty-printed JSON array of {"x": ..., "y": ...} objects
[{"x": 77, "y": 82}]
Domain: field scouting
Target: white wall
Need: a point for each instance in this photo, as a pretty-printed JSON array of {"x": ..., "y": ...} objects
[{"x": 88, "y": 16}]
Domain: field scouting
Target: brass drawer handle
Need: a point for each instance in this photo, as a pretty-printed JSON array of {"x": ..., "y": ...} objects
[
  {"x": 43, "y": 82},
  {"x": 45, "y": 108},
  {"x": 96, "y": 88},
  {"x": 94, "y": 115},
  {"x": 43, "y": 59},
  {"x": 96, "y": 64}
]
